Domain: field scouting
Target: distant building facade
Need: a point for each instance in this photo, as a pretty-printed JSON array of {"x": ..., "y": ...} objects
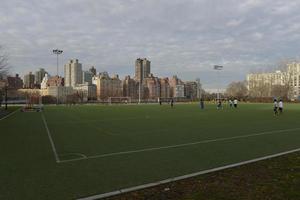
[
  {"x": 14, "y": 83},
  {"x": 129, "y": 87},
  {"x": 164, "y": 88},
  {"x": 108, "y": 86},
  {"x": 176, "y": 87},
  {"x": 152, "y": 87},
  {"x": 60, "y": 92},
  {"x": 190, "y": 89},
  {"x": 55, "y": 81},
  {"x": 86, "y": 91}
]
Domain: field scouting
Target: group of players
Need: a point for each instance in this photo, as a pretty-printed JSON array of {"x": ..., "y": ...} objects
[
  {"x": 232, "y": 103},
  {"x": 278, "y": 106}
]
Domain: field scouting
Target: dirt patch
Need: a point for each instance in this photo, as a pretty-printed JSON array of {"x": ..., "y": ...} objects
[{"x": 273, "y": 179}]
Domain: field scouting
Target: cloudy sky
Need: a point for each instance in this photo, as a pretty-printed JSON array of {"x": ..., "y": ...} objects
[{"x": 183, "y": 37}]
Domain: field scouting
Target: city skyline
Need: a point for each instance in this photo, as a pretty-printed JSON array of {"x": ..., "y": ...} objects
[{"x": 182, "y": 38}]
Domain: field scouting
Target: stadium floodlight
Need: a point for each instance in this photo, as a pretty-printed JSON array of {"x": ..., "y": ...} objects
[
  {"x": 57, "y": 52},
  {"x": 218, "y": 68}
]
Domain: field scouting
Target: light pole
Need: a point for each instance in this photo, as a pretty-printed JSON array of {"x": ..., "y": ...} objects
[
  {"x": 6, "y": 88},
  {"x": 218, "y": 68},
  {"x": 57, "y": 52}
]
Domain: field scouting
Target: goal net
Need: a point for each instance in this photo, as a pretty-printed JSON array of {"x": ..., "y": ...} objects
[
  {"x": 119, "y": 100},
  {"x": 33, "y": 103}
]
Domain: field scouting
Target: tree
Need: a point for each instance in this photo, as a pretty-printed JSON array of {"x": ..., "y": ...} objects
[
  {"x": 3, "y": 63},
  {"x": 237, "y": 89},
  {"x": 3, "y": 73},
  {"x": 289, "y": 75},
  {"x": 280, "y": 91}
]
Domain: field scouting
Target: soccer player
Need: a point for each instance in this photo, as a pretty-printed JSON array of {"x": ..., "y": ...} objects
[
  {"x": 275, "y": 107},
  {"x": 201, "y": 104},
  {"x": 219, "y": 106},
  {"x": 230, "y": 103},
  {"x": 280, "y": 105},
  {"x": 172, "y": 103},
  {"x": 235, "y": 102}
]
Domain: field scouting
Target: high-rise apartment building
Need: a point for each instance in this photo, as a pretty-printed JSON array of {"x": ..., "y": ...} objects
[
  {"x": 142, "y": 69},
  {"x": 73, "y": 73},
  {"x": 260, "y": 84},
  {"x": 293, "y": 76},
  {"x": 87, "y": 77},
  {"x": 39, "y": 75},
  {"x": 29, "y": 80},
  {"x": 93, "y": 70}
]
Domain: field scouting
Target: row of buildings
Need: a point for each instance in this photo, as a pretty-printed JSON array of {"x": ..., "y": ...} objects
[
  {"x": 90, "y": 85},
  {"x": 263, "y": 84}
]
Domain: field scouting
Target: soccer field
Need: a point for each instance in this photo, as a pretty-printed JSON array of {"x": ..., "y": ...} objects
[{"x": 80, "y": 151}]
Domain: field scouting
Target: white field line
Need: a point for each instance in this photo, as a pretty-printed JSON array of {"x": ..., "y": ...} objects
[
  {"x": 50, "y": 139},
  {"x": 10, "y": 114},
  {"x": 103, "y": 120},
  {"x": 180, "y": 145},
  {"x": 73, "y": 154},
  {"x": 139, "y": 187}
]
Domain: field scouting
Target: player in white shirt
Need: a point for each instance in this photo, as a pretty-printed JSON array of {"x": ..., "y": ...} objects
[
  {"x": 275, "y": 107},
  {"x": 280, "y": 105},
  {"x": 235, "y": 102},
  {"x": 230, "y": 103}
]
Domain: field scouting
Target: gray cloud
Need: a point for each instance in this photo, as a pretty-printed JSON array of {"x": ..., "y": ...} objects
[{"x": 184, "y": 37}]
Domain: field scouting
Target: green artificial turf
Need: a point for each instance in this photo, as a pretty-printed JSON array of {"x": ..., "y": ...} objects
[{"x": 28, "y": 169}]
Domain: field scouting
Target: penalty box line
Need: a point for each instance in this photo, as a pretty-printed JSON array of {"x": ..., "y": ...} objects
[
  {"x": 180, "y": 145},
  {"x": 50, "y": 139},
  {"x": 178, "y": 178}
]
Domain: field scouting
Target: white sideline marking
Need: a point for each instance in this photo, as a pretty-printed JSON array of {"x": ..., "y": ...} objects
[
  {"x": 10, "y": 114},
  {"x": 50, "y": 139},
  {"x": 139, "y": 187},
  {"x": 75, "y": 154},
  {"x": 180, "y": 145}
]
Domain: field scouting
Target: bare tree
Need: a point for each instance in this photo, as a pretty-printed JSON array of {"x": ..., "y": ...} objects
[
  {"x": 3, "y": 63},
  {"x": 280, "y": 91},
  {"x": 237, "y": 89},
  {"x": 289, "y": 74}
]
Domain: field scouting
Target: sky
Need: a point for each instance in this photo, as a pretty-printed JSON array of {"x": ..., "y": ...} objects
[{"x": 182, "y": 37}]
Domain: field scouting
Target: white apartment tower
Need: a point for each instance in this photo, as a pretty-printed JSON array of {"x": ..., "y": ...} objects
[
  {"x": 73, "y": 73},
  {"x": 294, "y": 79}
]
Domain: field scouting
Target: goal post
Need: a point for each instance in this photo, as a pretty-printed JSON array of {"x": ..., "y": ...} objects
[{"x": 119, "y": 100}]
